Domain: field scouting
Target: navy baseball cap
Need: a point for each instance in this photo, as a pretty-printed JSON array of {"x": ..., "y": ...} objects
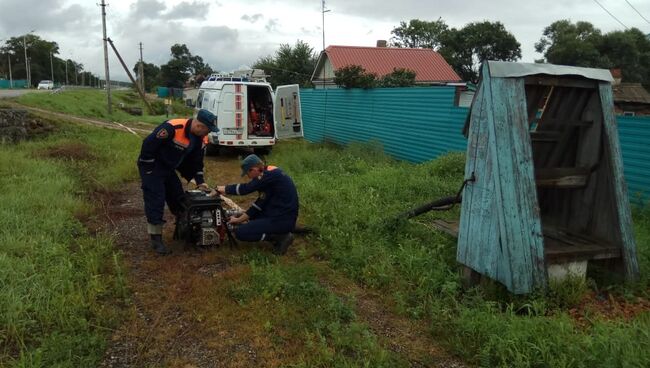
[
  {"x": 207, "y": 118},
  {"x": 248, "y": 162}
]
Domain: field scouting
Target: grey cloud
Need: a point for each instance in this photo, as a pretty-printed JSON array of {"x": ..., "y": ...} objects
[
  {"x": 272, "y": 25},
  {"x": 20, "y": 16},
  {"x": 147, "y": 9},
  {"x": 252, "y": 18},
  {"x": 189, "y": 10}
]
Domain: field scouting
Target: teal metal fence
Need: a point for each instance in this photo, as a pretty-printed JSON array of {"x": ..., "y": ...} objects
[
  {"x": 17, "y": 83},
  {"x": 414, "y": 124},
  {"x": 634, "y": 135},
  {"x": 420, "y": 124}
]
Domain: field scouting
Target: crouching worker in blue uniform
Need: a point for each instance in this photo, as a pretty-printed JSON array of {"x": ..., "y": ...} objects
[
  {"x": 272, "y": 217},
  {"x": 175, "y": 145}
]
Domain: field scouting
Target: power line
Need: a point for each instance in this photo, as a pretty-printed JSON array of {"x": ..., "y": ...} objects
[
  {"x": 612, "y": 15},
  {"x": 641, "y": 15}
]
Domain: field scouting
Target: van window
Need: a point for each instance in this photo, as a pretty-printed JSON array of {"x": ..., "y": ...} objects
[{"x": 199, "y": 99}]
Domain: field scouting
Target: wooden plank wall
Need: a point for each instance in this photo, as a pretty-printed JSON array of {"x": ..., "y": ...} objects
[
  {"x": 620, "y": 197},
  {"x": 500, "y": 230}
]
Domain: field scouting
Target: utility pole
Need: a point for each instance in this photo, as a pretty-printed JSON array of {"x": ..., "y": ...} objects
[
  {"x": 141, "y": 70},
  {"x": 66, "y": 72},
  {"x": 108, "y": 77},
  {"x": 26, "y": 66},
  {"x": 51, "y": 67},
  {"x": 323, "y": 11},
  {"x": 11, "y": 79}
]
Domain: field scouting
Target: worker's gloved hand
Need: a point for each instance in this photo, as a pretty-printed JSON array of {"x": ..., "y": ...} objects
[
  {"x": 238, "y": 219},
  {"x": 221, "y": 189},
  {"x": 206, "y": 189}
]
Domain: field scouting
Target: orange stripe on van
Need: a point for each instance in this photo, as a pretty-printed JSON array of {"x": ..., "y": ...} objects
[{"x": 238, "y": 122}]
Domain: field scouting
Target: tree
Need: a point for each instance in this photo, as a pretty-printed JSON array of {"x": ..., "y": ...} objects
[
  {"x": 419, "y": 34},
  {"x": 38, "y": 52},
  {"x": 181, "y": 66},
  {"x": 581, "y": 44},
  {"x": 289, "y": 65},
  {"x": 571, "y": 44},
  {"x": 151, "y": 74},
  {"x": 465, "y": 49},
  {"x": 354, "y": 76},
  {"x": 400, "y": 77}
]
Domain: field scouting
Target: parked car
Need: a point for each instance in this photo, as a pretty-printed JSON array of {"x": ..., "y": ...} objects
[{"x": 45, "y": 84}]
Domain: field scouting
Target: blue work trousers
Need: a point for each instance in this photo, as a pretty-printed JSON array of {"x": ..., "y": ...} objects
[
  {"x": 160, "y": 189},
  {"x": 259, "y": 229}
]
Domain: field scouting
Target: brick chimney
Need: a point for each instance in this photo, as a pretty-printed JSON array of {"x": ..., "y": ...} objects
[{"x": 381, "y": 43}]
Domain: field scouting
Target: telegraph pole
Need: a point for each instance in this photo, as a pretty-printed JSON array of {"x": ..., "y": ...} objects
[
  {"x": 66, "y": 72},
  {"x": 323, "y": 11},
  {"x": 51, "y": 67},
  {"x": 26, "y": 66},
  {"x": 108, "y": 78},
  {"x": 11, "y": 79},
  {"x": 141, "y": 70}
]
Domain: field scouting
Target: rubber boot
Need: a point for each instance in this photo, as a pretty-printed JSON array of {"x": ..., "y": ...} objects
[
  {"x": 158, "y": 245},
  {"x": 281, "y": 243}
]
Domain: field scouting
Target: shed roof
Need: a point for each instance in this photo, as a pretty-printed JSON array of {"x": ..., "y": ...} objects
[
  {"x": 506, "y": 69},
  {"x": 428, "y": 65},
  {"x": 631, "y": 92}
]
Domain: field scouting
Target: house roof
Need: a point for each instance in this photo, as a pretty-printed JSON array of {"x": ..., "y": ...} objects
[
  {"x": 631, "y": 92},
  {"x": 428, "y": 65}
]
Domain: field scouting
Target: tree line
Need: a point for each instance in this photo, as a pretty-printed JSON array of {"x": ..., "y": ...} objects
[
  {"x": 465, "y": 48},
  {"x": 42, "y": 59}
]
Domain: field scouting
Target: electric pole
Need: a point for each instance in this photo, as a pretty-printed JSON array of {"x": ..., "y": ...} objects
[
  {"x": 66, "y": 72},
  {"x": 108, "y": 77},
  {"x": 323, "y": 11},
  {"x": 141, "y": 70},
  {"x": 11, "y": 79},
  {"x": 26, "y": 66},
  {"x": 51, "y": 67}
]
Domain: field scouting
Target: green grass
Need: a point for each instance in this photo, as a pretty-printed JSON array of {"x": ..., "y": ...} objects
[
  {"x": 302, "y": 309},
  {"x": 92, "y": 104},
  {"x": 348, "y": 195},
  {"x": 57, "y": 281}
]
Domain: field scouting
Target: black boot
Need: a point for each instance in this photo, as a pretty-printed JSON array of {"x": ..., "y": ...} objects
[
  {"x": 158, "y": 245},
  {"x": 281, "y": 243}
]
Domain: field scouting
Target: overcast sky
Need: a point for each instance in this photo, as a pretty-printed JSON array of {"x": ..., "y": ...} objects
[{"x": 229, "y": 34}]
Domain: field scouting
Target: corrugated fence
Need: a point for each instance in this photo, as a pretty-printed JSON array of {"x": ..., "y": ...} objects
[{"x": 419, "y": 124}]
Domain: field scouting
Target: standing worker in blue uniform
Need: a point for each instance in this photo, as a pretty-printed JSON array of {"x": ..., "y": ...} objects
[
  {"x": 272, "y": 217},
  {"x": 175, "y": 145}
]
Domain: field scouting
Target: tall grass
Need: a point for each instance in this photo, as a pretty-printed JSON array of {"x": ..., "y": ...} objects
[
  {"x": 92, "y": 104},
  {"x": 56, "y": 280},
  {"x": 348, "y": 195}
]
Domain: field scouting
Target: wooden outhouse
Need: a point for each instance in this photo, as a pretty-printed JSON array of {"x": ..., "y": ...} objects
[{"x": 548, "y": 187}]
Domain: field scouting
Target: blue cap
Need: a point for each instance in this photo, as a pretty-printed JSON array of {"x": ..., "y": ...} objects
[
  {"x": 207, "y": 118},
  {"x": 248, "y": 162}
]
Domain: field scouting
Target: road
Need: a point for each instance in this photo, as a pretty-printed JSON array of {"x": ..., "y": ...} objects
[{"x": 7, "y": 93}]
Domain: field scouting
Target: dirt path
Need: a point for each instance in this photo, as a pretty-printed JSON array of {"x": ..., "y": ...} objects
[{"x": 180, "y": 313}]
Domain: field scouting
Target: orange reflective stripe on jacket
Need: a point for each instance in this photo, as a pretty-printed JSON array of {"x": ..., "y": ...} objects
[
  {"x": 180, "y": 137},
  {"x": 271, "y": 168}
]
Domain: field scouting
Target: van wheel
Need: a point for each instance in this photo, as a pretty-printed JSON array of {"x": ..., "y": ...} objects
[
  {"x": 262, "y": 151},
  {"x": 212, "y": 150}
]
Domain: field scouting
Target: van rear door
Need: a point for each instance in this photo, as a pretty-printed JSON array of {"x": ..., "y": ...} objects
[{"x": 288, "y": 117}]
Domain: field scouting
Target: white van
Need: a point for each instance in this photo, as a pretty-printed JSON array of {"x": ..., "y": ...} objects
[{"x": 249, "y": 114}]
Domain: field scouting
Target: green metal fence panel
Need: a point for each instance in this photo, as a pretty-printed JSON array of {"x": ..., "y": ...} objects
[
  {"x": 17, "y": 83},
  {"x": 420, "y": 124},
  {"x": 634, "y": 135},
  {"x": 414, "y": 124}
]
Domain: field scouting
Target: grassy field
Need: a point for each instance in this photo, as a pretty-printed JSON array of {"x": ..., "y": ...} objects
[
  {"x": 348, "y": 194},
  {"x": 91, "y": 103},
  {"x": 62, "y": 289},
  {"x": 59, "y": 284}
]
